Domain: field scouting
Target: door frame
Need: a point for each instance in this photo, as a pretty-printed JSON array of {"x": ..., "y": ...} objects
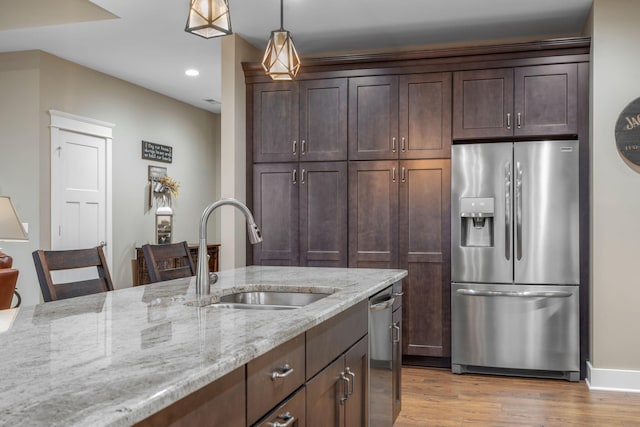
[{"x": 61, "y": 121}]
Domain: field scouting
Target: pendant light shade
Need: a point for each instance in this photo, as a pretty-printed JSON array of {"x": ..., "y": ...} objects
[
  {"x": 281, "y": 61},
  {"x": 209, "y": 18}
]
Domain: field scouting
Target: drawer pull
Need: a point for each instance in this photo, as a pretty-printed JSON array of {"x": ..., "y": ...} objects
[
  {"x": 286, "y": 371},
  {"x": 288, "y": 420}
]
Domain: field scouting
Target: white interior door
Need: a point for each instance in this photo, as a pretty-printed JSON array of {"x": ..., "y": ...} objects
[
  {"x": 79, "y": 213},
  {"x": 80, "y": 183}
]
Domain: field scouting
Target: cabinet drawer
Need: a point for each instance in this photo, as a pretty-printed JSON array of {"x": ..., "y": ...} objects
[
  {"x": 292, "y": 411},
  {"x": 273, "y": 376},
  {"x": 328, "y": 340}
]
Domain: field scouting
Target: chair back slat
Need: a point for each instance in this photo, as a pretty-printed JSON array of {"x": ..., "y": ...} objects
[
  {"x": 167, "y": 262},
  {"x": 48, "y": 261}
]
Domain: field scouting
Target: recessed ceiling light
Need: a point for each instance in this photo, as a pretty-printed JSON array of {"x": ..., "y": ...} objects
[{"x": 192, "y": 72}]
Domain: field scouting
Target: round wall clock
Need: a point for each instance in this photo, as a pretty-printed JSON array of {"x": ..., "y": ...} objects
[{"x": 628, "y": 132}]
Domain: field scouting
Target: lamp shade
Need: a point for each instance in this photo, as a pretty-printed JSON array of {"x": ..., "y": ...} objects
[
  {"x": 11, "y": 228},
  {"x": 209, "y": 18},
  {"x": 281, "y": 61}
]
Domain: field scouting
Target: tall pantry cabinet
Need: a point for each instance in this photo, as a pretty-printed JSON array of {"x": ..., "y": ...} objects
[{"x": 349, "y": 165}]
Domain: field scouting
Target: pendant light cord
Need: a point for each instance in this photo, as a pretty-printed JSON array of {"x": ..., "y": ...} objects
[{"x": 281, "y": 15}]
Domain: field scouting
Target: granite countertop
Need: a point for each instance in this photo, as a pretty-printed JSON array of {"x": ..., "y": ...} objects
[{"x": 113, "y": 359}]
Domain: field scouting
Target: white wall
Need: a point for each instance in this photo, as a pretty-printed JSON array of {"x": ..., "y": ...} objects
[
  {"x": 235, "y": 50},
  {"x": 615, "y": 302},
  {"x": 19, "y": 158},
  {"x": 139, "y": 114}
]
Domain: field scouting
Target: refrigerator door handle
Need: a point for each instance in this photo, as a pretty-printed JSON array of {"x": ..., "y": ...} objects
[
  {"x": 518, "y": 211},
  {"x": 521, "y": 294},
  {"x": 507, "y": 211}
]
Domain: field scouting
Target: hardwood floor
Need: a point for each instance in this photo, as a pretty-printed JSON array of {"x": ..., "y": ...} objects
[{"x": 436, "y": 397}]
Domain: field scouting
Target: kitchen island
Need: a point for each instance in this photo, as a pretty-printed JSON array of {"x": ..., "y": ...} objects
[{"x": 116, "y": 358}]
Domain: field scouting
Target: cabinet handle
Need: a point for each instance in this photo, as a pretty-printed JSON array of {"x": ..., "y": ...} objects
[
  {"x": 519, "y": 120},
  {"x": 403, "y": 175},
  {"x": 393, "y": 144},
  {"x": 286, "y": 371},
  {"x": 398, "y": 294},
  {"x": 393, "y": 174},
  {"x": 303, "y": 173},
  {"x": 294, "y": 176},
  {"x": 295, "y": 148},
  {"x": 396, "y": 329},
  {"x": 403, "y": 144},
  {"x": 353, "y": 381},
  {"x": 508, "y": 120},
  {"x": 345, "y": 395},
  {"x": 288, "y": 420},
  {"x": 303, "y": 147}
]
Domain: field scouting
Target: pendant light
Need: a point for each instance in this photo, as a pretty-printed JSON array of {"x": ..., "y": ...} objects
[
  {"x": 209, "y": 18},
  {"x": 281, "y": 60}
]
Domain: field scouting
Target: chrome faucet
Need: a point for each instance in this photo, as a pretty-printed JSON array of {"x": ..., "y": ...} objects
[{"x": 202, "y": 275}]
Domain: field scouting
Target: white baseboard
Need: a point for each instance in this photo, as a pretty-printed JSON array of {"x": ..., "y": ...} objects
[{"x": 613, "y": 379}]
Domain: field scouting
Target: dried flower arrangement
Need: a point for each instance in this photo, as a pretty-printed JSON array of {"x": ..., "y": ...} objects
[{"x": 169, "y": 184}]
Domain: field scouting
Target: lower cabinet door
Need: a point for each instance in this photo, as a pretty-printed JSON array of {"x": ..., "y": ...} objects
[
  {"x": 325, "y": 394},
  {"x": 291, "y": 413},
  {"x": 356, "y": 370}
]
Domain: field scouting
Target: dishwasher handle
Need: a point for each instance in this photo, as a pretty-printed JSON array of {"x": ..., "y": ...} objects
[
  {"x": 383, "y": 305},
  {"x": 521, "y": 294}
]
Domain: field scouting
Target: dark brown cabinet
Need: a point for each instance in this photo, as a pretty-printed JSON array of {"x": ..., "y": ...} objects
[
  {"x": 301, "y": 209},
  {"x": 524, "y": 101},
  {"x": 337, "y": 396},
  {"x": 373, "y": 214},
  {"x": 406, "y": 117},
  {"x": 407, "y": 106},
  {"x": 399, "y": 217},
  {"x": 304, "y": 121},
  {"x": 424, "y": 251}
]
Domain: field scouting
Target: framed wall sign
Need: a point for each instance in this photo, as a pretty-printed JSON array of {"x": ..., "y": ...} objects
[
  {"x": 628, "y": 132},
  {"x": 164, "y": 226},
  {"x": 159, "y": 152}
]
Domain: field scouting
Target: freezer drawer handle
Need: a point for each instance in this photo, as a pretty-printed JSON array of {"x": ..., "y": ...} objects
[
  {"x": 382, "y": 305},
  {"x": 525, "y": 294}
]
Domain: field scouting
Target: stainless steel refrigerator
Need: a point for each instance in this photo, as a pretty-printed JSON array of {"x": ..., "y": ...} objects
[{"x": 515, "y": 258}]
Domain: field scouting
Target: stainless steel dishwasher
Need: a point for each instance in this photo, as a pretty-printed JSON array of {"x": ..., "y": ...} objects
[{"x": 382, "y": 335}]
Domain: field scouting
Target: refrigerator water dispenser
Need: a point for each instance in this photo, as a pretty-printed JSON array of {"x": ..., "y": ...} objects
[{"x": 476, "y": 221}]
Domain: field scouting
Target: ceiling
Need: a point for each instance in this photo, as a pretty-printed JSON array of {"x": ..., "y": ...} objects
[{"x": 144, "y": 42}]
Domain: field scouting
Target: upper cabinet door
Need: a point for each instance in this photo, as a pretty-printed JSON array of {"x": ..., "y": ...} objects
[
  {"x": 373, "y": 214},
  {"x": 483, "y": 103},
  {"x": 323, "y": 120},
  {"x": 275, "y": 209},
  {"x": 546, "y": 100},
  {"x": 425, "y": 116},
  {"x": 373, "y": 118},
  {"x": 275, "y": 122},
  {"x": 323, "y": 214}
]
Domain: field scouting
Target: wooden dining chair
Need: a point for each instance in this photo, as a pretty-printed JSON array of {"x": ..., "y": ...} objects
[
  {"x": 170, "y": 261},
  {"x": 47, "y": 262}
]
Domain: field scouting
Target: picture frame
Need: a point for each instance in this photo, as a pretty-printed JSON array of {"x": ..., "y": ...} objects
[{"x": 164, "y": 229}]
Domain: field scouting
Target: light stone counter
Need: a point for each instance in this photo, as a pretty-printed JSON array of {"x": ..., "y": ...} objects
[{"x": 113, "y": 359}]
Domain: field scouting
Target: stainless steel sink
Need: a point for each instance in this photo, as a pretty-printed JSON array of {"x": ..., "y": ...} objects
[{"x": 268, "y": 300}]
